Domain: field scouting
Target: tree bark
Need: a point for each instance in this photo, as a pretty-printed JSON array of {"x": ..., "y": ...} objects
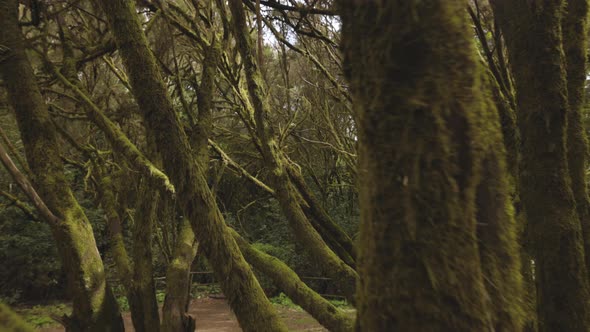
[
  {"x": 563, "y": 298},
  {"x": 429, "y": 136},
  {"x": 575, "y": 30},
  {"x": 174, "y": 313},
  {"x": 136, "y": 279},
  {"x": 143, "y": 286},
  {"x": 118, "y": 251},
  {"x": 94, "y": 306},
  {"x": 244, "y": 294},
  {"x": 178, "y": 274},
  {"x": 330, "y": 231}
]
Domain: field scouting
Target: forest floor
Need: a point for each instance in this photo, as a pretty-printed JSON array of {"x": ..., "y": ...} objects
[{"x": 214, "y": 315}]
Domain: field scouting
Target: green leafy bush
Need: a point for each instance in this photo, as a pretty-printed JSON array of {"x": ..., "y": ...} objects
[
  {"x": 31, "y": 269},
  {"x": 285, "y": 301}
]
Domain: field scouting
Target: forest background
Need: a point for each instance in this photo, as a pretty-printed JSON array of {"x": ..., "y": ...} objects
[{"x": 429, "y": 153}]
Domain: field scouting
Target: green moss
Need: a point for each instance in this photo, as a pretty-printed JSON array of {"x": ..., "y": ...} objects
[
  {"x": 553, "y": 221},
  {"x": 296, "y": 290},
  {"x": 174, "y": 316},
  {"x": 575, "y": 28},
  {"x": 431, "y": 160}
]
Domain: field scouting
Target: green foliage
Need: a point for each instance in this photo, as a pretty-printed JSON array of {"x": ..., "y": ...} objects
[
  {"x": 30, "y": 265},
  {"x": 283, "y": 253},
  {"x": 342, "y": 304},
  {"x": 160, "y": 296},
  {"x": 39, "y": 316},
  {"x": 123, "y": 303},
  {"x": 285, "y": 301},
  {"x": 201, "y": 291}
]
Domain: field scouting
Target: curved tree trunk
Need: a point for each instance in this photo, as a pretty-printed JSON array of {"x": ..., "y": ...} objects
[
  {"x": 94, "y": 306},
  {"x": 563, "y": 299},
  {"x": 245, "y": 296},
  {"x": 430, "y": 158},
  {"x": 136, "y": 280},
  {"x": 118, "y": 251}
]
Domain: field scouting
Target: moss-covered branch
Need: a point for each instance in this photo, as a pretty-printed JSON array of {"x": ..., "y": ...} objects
[
  {"x": 19, "y": 204},
  {"x": 290, "y": 283},
  {"x": 14, "y": 152},
  {"x": 27, "y": 188},
  {"x": 119, "y": 140}
]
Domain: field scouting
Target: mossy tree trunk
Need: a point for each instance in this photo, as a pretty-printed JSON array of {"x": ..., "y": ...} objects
[
  {"x": 542, "y": 85},
  {"x": 575, "y": 34},
  {"x": 143, "y": 286},
  {"x": 137, "y": 280},
  {"x": 174, "y": 313},
  {"x": 290, "y": 283},
  {"x": 94, "y": 306},
  {"x": 178, "y": 279},
  {"x": 108, "y": 201},
  {"x": 430, "y": 157},
  {"x": 289, "y": 199},
  {"x": 330, "y": 231},
  {"x": 497, "y": 230},
  {"x": 244, "y": 294}
]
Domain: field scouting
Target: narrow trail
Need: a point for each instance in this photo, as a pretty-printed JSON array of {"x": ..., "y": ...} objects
[{"x": 214, "y": 315}]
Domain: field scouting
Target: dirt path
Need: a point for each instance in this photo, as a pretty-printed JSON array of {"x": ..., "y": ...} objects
[{"x": 214, "y": 315}]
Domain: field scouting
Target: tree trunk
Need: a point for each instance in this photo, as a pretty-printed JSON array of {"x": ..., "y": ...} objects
[
  {"x": 331, "y": 232},
  {"x": 117, "y": 247},
  {"x": 94, "y": 306},
  {"x": 288, "y": 281},
  {"x": 428, "y": 138},
  {"x": 139, "y": 287},
  {"x": 563, "y": 299},
  {"x": 143, "y": 284},
  {"x": 497, "y": 232},
  {"x": 244, "y": 294},
  {"x": 178, "y": 274},
  {"x": 575, "y": 31},
  {"x": 174, "y": 313}
]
